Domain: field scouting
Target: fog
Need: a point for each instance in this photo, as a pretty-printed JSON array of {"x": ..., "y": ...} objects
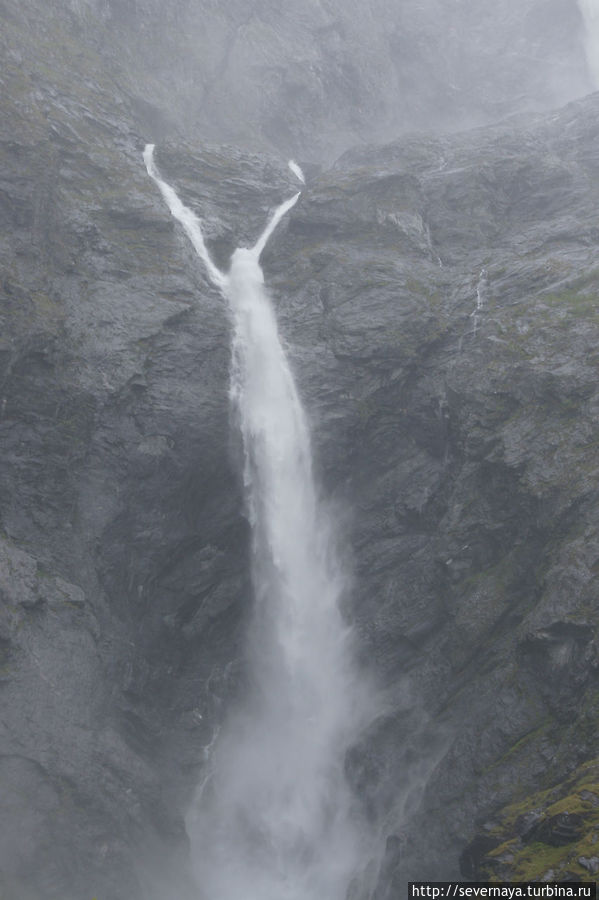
[
  {"x": 312, "y": 78},
  {"x": 590, "y": 15}
]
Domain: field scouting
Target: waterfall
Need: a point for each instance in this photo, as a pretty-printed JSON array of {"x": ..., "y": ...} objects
[
  {"x": 590, "y": 15},
  {"x": 296, "y": 171},
  {"x": 275, "y": 820}
]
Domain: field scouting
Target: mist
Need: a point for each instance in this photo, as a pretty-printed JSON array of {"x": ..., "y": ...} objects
[
  {"x": 590, "y": 17},
  {"x": 298, "y": 426},
  {"x": 313, "y": 79}
]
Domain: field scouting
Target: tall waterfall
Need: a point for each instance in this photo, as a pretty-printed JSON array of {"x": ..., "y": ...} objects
[
  {"x": 590, "y": 15},
  {"x": 275, "y": 819}
]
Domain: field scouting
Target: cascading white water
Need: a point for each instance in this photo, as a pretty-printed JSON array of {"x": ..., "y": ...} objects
[
  {"x": 296, "y": 170},
  {"x": 275, "y": 821},
  {"x": 590, "y": 15}
]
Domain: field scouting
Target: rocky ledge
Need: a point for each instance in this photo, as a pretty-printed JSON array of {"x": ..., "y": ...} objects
[{"x": 552, "y": 835}]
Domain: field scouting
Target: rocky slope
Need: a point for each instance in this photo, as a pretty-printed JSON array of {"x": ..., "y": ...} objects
[
  {"x": 122, "y": 545},
  {"x": 470, "y": 456},
  {"x": 552, "y": 835},
  {"x": 438, "y": 297}
]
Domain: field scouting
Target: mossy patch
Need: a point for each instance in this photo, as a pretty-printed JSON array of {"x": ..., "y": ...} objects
[
  {"x": 574, "y": 304},
  {"x": 521, "y": 856}
]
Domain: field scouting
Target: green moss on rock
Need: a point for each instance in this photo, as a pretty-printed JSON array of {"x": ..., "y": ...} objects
[{"x": 532, "y": 846}]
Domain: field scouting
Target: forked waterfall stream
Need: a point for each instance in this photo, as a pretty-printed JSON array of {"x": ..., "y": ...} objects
[{"x": 275, "y": 819}]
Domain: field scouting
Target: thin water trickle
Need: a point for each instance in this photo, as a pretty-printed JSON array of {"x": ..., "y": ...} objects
[
  {"x": 590, "y": 16},
  {"x": 296, "y": 170},
  {"x": 480, "y": 300}
]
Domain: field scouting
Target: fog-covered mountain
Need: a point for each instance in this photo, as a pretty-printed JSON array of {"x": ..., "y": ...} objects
[
  {"x": 308, "y": 78},
  {"x": 436, "y": 296}
]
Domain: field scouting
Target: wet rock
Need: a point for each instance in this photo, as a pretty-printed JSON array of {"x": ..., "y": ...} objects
[
  {"x": 564, "y": 828},
  {"x": 591, "y": 864},
  {"x": 472, "y": 855},
  {"x": 549, "y": 835}
]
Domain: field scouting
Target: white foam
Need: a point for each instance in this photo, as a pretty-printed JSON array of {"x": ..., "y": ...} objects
[{"x": 296, "y": 170}]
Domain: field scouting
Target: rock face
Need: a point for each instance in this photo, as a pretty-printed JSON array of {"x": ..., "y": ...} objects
[
  {"x": 452, "y": 288},
  {"x": 543, "y": 839},
  {"x": 439, "y": 299}
]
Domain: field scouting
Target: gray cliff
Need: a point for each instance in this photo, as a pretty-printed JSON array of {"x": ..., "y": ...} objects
[{"x": 438, "y": 296}]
